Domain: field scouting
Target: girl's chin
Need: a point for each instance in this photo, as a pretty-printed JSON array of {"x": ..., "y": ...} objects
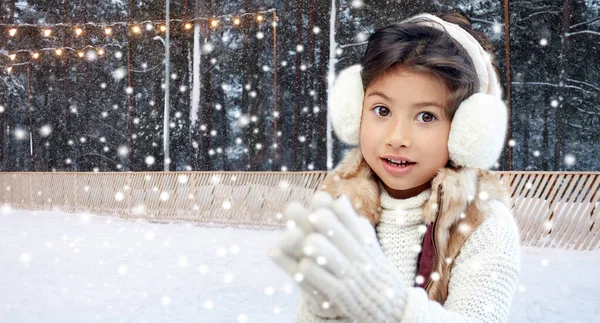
[{"x": 396, "y": 183}]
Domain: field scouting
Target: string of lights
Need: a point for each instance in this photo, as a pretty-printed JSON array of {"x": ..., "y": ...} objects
[
  {"x": 136, "y": 28},
  {"x": 92, "y": 52}
]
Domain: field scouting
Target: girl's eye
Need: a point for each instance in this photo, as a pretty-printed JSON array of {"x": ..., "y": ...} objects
[
  {"x": 383, "y": 111},
  {"x": 428, "y": 117}
]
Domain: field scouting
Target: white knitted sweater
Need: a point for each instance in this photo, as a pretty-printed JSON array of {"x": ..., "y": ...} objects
[{"x": 483, "y": 279}]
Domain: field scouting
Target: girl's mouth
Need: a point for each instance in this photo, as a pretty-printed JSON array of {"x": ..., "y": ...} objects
[{"x": 396, "y": 168}]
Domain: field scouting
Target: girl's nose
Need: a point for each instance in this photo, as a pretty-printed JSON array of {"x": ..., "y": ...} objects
[{"x": 399, "y": 135}]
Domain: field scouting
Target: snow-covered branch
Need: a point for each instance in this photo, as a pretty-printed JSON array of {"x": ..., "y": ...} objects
[
  {"x": 580, "y": 127},
  {"x": 542, "y": 12},
  {"x": 551, "y": 84},
  {"x": 97, "y": 155},
  {"x": 531, "y": 6},
  {"x": 585, "y": 23},
  {"x": 574, "y": 125},
  {"x": 588, "y": 84},
  {"x": 350, "y": 45},
  {"x": 586, "y": 111},
  {"x": 583, "y": 32},
  {"x": 147, "y": 69},
  {"x": 484, "y": 21}
]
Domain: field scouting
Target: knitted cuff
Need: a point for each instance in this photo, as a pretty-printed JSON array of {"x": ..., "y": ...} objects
[
  {"x": 305, "y": 313},
  {"x": 374, "y": 291}
]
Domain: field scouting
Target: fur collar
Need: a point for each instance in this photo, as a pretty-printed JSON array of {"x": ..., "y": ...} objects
[{"x": 463, "y": 193}]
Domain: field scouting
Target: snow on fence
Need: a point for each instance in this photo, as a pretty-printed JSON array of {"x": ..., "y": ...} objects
[{"x": 552, "y": 209}]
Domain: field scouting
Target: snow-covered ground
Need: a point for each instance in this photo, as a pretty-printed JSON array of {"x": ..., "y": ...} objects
[{"x": 58, "y": 267}]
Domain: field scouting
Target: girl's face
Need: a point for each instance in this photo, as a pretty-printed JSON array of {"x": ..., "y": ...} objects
[{"x": 402, "y": 118}]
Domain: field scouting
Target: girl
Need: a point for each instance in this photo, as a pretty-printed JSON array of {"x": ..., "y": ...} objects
[{"x": 420, "y": 230}]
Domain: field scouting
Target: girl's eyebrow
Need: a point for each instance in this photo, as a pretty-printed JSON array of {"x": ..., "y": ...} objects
[
  {"x": 380, "y": 94},
  {"x": 426, "y": 104},
  {"x": 415, "y": 106}
]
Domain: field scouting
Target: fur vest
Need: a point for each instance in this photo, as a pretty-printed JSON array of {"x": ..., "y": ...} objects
[{"x": 459, "y": 196}]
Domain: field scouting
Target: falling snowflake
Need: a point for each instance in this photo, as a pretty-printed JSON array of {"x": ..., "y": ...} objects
[
  {"x": 25, "y": 258},
  {"x": 119, "y": 73},
  {"x": 123, "y": 151},
  {"x": 569, "y": 160},
  {"x": 20, "y": 133},
  {"x": 207, "y": 48},
  {"x": 361, "y": 36},
  {"x": 244, "y": 120},
  {"x": 183, "y": 179},
  {"x": 182, "y": 261},
  {"x": 164, "y": 196},
  {"x": 150, "y": 160},
  {"x": 45, "y": 130},
  {"x": 419, "y": 279},
  {"x": 226, "y": 205},
  {"x": 203, "y": 269},
  {"x": 357, "y": 4},
  {"x": 269, "y": 290},
  {"x": 91, "y": 55},
  {"x": 228, "y": 278},
  {"x": 497, "y": 27}
]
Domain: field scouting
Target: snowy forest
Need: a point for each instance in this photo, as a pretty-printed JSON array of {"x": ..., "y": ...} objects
[{"x": 82, "y": 83}]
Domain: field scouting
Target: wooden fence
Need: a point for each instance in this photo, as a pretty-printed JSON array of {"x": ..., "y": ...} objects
[{"x": 552, "y": 209}]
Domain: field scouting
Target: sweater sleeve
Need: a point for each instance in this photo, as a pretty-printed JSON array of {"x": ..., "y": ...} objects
[
  {"x": 483, "y": 279},
  {"x": 305, "y": 315}
]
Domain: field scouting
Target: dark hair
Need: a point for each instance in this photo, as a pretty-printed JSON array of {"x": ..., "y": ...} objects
[{"x": 427, "y": 49}]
